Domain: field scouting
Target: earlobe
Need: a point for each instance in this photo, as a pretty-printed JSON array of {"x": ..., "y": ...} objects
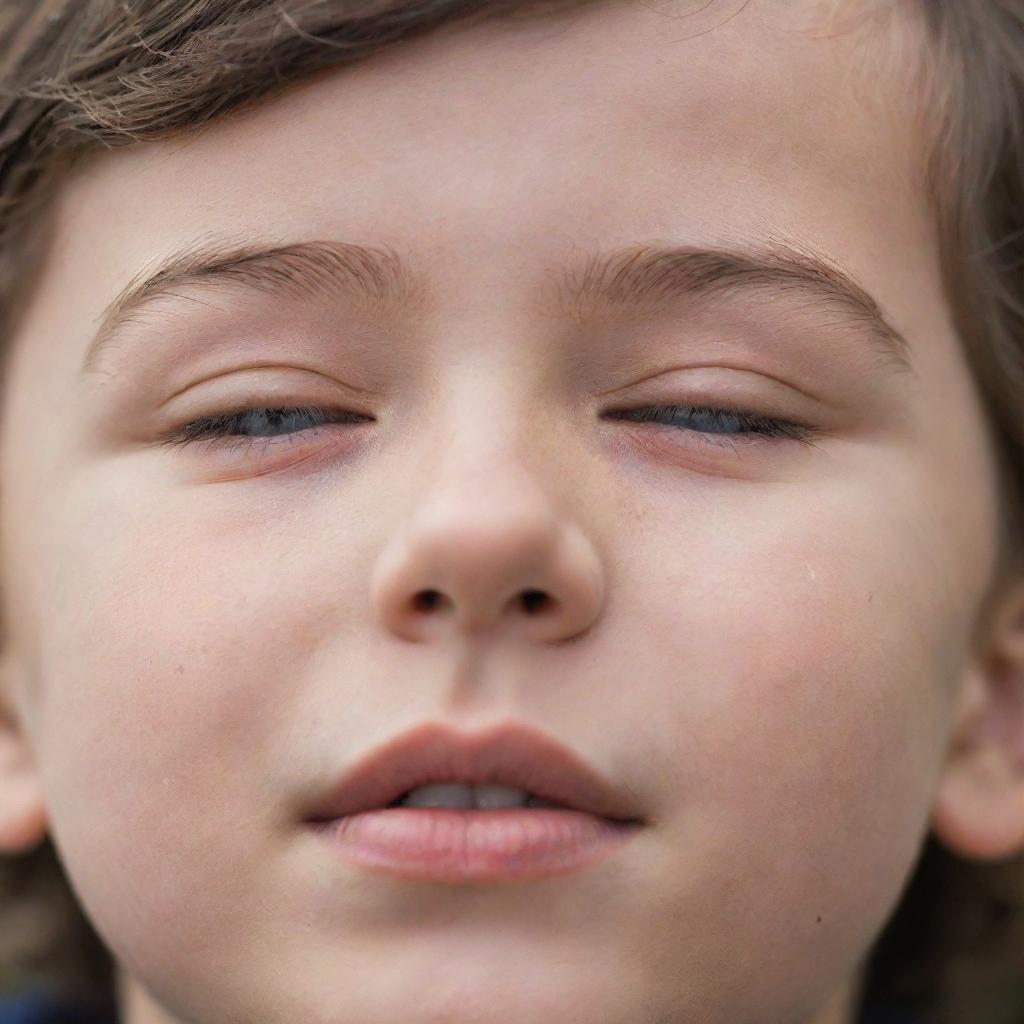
[
  {"x": 979, "y": 807},
  {"x": 23, "y": 818}
]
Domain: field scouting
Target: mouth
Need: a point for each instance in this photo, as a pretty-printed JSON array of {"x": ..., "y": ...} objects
[
  {"x": 436, "y": 804},
  {"x": 462, "y": 796}
]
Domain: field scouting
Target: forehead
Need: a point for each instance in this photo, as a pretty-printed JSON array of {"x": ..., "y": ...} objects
[{"x": 490, "y": 146}]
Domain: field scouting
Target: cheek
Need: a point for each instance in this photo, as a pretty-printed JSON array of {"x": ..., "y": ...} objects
[
  {"x": 165, "y": 691},
  {"x": 803, "y": 718}
]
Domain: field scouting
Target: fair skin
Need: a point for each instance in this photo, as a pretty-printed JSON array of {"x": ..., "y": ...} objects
[{"x": 771, "y": 640}]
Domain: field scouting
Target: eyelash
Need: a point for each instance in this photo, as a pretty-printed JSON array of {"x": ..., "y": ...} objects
[
  {"x": 754, "y": 427},
  {"x": 220, "y": 427}
]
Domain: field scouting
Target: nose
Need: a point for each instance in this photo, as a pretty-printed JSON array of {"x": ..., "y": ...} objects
[{"x": 489, "y": 549}]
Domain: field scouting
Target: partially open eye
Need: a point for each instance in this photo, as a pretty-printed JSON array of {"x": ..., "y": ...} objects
[
  {"x": 734, "y": 424},
  {"x": 258, "y": 425}
]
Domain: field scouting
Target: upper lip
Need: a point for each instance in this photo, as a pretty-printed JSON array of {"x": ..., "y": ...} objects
[{"x": 508, "y": 754}]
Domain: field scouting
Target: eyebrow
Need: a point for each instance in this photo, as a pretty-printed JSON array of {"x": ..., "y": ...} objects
[
  {"x": 645, "y": 275},
  {"x": 376, "y": 276},
  {"x": 655, "y": 275}
]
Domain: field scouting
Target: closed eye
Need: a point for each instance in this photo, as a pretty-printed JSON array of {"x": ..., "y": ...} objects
[
  {"x": 262, "y": 425},
  {"x": 247, "y": 426},
  {"x": 710, "y": 421}
]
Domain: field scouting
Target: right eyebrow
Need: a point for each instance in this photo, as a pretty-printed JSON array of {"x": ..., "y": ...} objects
[
  {"x": 376, "y": 276},
  {"x": 639, "y": 276}
]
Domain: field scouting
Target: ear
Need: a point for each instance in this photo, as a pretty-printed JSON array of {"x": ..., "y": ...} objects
[
  {"x": 979, "y": 810},
  {"x": 23, "y": 819}
]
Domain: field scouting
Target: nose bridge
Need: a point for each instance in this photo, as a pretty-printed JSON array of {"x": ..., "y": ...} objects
[
  {"x": 494, "y": 460},
  {"x": 490, "y": 505},
  {"x": 490, "y": 537},
  {"x": 491, "y": 426}
]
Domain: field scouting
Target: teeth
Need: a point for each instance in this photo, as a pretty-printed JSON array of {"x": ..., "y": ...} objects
[
  {"x": 460, "y": 796},
  {"x": 442, "y": 794},
  {"x": 500, "y": 796}
]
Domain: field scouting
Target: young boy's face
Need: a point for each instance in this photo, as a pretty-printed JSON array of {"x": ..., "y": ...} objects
[{"x": 761, "y": 640}]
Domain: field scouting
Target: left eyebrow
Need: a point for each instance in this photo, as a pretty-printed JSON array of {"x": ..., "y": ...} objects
[
  {"x": 652, "y": 276},
  {"x": 645, "y": 276}
]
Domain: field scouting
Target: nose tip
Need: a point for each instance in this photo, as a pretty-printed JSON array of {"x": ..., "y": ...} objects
[{"x": 544, "y": 581}]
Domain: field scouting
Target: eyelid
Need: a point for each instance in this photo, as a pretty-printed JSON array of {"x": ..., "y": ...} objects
[
  {"x": 211, "y": 425},
  {"x": 228, "y": 457},
  {"x": 722, "y": 390},
  {"x": 755, "y": 426},
  {"x": 215, "y": 428}
]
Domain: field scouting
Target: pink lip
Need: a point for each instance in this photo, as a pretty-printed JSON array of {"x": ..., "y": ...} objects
[
  {"x": 592, "y": 820},
  {"x": 508, "y": 754},
  {"x": 489, "y": 845}
]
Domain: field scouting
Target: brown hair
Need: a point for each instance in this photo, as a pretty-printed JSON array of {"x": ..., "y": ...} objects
[{"x": 79, "y": 75}]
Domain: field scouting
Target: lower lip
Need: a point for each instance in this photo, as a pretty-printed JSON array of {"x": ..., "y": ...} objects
[{"x": 447, "y": 845}]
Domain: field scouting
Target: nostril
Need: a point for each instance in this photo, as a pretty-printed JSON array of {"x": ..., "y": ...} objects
[
  {"x": 534, "y": 600},
  {"x": 425, "y": 600}
]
